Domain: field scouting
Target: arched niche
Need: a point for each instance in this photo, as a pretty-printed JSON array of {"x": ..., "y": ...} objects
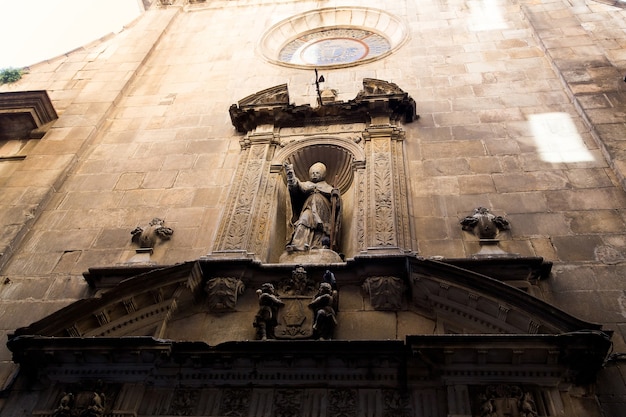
[{"x": 344, "y": 160}]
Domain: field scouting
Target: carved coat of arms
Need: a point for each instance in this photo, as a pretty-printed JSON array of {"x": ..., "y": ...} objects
[{"x": 295, "y": 318}]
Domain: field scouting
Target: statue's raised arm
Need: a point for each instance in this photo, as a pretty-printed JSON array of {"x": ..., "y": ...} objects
[
  {"x": 316, "y": 210},
  {"x": 292, "y": 180}
]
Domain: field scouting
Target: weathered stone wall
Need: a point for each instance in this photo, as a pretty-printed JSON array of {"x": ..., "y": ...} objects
[{"x": 144, "y": 132}]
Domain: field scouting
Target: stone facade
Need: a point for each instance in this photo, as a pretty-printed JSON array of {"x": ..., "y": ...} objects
[{"x": 181, "y": 118}]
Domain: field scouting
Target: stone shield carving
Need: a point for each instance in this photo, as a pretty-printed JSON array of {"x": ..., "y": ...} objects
[{"x": 295, "y": 319}]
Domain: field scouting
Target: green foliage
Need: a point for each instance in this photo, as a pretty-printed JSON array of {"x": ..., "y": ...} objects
[{"x": 10, "y": 75}]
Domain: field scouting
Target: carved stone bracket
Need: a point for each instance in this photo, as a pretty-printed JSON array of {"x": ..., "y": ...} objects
[
  {"x": 222, "y": 293},
  {"x": 486, "y": 226},
  {"x": 386, "y": 293},
  {"x": 147, "y": 236}
]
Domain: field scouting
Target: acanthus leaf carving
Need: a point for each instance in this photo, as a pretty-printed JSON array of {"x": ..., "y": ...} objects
[
  {"x": 384, "y": 216},
  {"x": 241, "y": 216}
]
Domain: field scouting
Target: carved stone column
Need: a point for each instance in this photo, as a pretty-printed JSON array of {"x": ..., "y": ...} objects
[
  {"x": 242, "y": 228},
  {"x": 387, "y": 216}
]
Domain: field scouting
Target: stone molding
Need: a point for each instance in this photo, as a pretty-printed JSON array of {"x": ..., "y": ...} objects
[
  {"x": 25, "y": 114},
  {"x": 541, "y": 348}
]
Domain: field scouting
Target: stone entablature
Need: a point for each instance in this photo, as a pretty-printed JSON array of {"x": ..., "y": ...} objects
[{"x": 452, "y": 374}]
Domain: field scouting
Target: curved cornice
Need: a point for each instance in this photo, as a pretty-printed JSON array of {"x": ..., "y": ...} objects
[
  {"x": 136, "y": 303},
  {"x": 463, "y": 297}
]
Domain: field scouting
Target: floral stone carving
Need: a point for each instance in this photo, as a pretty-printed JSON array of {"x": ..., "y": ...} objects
[
  {"x": 484, "y": 224},
  {"x": 504, "y": 400},
  {"x": 83, "y": 405}
]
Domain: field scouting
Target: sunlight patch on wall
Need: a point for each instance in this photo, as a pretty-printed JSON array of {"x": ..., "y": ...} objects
[
  {"x": 557, "y": 138},
  {"x": 485, "y": 15}
]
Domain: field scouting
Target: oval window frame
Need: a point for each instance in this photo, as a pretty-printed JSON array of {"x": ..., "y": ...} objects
[{"x": 376, "y": 21}]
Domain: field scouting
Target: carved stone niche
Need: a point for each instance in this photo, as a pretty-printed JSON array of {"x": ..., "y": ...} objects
[{"x": 359, "y": 142}]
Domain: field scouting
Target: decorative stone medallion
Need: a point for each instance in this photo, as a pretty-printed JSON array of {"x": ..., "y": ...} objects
[{"x": 336, "y": 46}]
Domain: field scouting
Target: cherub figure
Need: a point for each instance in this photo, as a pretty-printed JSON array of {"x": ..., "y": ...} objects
[
  {"x": 324, "y": 306},
  {"x": 527, "y": 405},
  {"x": 96, "y": 406},
  {"x": 265, "y": 319},
  {"x": 486, "y": 408}
]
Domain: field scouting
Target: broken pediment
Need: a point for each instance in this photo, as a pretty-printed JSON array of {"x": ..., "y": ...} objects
[
  {"x": 188, "y": 300},
  {"x": 271, "y": 106},
  {"x": 277, "y": 96},
  {"x": 190, "y": 326}
]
